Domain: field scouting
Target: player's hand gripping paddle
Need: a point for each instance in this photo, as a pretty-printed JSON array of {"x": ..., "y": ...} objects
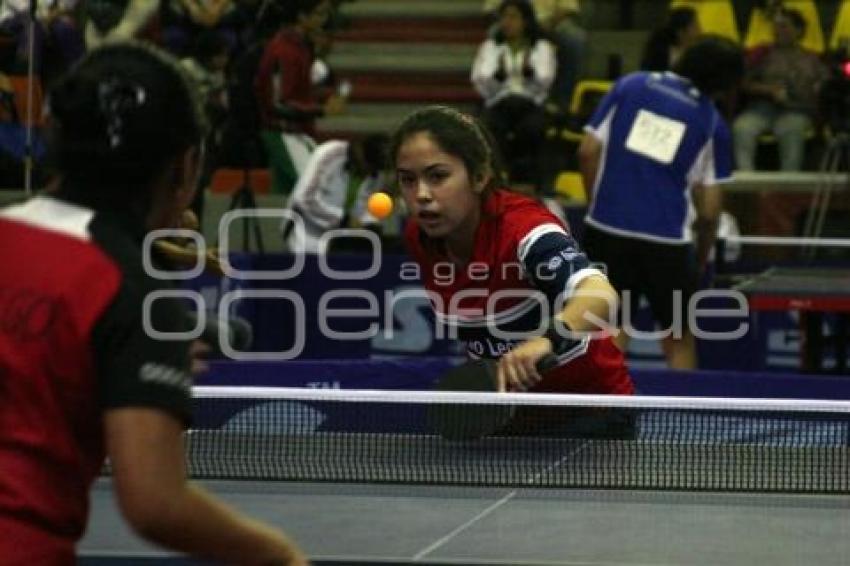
[{"x": 463, "y": 421}]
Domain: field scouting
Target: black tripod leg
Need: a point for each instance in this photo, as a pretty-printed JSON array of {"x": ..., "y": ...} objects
[{"x": 251, "y": 203}]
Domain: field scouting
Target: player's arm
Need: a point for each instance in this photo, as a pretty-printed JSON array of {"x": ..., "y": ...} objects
[
  {"x": 592, "y": 305},
  {"x": 588, "y": 311},
  {"x": 583, "y": 295},
  {"x": 144, "y": 387},
  {"x": 597, "y": 135},
  {"x": 589, "y": 157},
  {"x": 713, "y": 168},
  {"x": 708, "y": 202},
  {"x": 146, "y": 450}
]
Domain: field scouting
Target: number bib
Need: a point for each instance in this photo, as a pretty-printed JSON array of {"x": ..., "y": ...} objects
[{"x": 655, "y": 136}]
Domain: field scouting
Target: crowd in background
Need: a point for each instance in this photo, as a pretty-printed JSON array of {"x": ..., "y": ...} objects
[{"x": 261, "y": 69}]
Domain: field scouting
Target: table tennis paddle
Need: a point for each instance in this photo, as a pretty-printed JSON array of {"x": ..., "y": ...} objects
[{"x": 471, "y": 421}]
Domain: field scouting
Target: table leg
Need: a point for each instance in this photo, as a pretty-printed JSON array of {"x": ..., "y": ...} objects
[
  {"x": 840, "y": 341},
  {"x": 811, "y": 324}
]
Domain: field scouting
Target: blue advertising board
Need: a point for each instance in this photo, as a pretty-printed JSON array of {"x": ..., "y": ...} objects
[{"x": 373, "y": 307}]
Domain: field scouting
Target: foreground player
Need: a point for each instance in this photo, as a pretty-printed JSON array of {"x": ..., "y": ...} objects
[
  {"x": 499, "y": 266},
  {"x": 80, "y": 374}
]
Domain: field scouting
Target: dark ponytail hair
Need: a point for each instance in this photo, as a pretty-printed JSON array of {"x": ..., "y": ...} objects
[{"x": 117, "y": 119}]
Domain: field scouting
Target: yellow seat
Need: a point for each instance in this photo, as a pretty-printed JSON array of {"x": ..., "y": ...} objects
[
  {"x": 841, "y": 29},
  {"x": 769, "y": 138},
  {"x": 587, "y": 95},
  {"x": 570, "y": 185},
  {"x": 715, "y": 16},
  {"x": 760, "y": 29}
]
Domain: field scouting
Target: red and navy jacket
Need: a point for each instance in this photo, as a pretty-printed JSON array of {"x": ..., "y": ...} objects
[
  {"x": 525, "y": 265},
  {"x": 72, "y": 346},
  {"x": 283, "y": 78}
]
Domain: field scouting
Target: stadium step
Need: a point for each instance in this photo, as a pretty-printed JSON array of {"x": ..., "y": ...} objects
[
  {"x": 447, "y": 88},
  {"x": 413, "y": 8},
  {"x": 405, "y": 57},
  {"x": 422, "y": 30},
  {"x": 367, "y": 118},
  {"x": 399, "y": 55}
]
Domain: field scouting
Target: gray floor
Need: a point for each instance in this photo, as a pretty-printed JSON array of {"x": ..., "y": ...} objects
[{"x": 393, "y": 524}]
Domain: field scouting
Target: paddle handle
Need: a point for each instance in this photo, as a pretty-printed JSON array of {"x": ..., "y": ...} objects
[{"x": 547, "y": 362}]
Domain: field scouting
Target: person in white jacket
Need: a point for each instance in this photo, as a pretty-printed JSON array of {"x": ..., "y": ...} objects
[
  {"x": 332, "y": 192},
  {"x": 513, "y": 72}
]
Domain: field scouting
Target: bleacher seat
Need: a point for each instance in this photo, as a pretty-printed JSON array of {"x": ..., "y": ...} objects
[
  {"x": 715, "y": 16},
  {"x": 760, "y": 28},
  {"x": 570, "y": 185},
  {"x": 587, "y": 95},
  {"x": 841, "y": 29}
]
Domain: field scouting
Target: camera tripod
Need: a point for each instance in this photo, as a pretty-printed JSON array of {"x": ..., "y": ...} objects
[{"x": 243, "y": 199}]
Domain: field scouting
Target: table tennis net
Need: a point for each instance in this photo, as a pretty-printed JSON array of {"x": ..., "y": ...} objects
[{"x": 551, "y": 440}]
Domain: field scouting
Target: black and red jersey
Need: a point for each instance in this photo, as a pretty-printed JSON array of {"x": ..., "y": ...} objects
[
  {"x": 525, "y": 265},
  {"x": 72, "y": 345}
]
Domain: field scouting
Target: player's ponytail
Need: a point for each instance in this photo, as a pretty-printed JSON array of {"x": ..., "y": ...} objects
[{"x": 118, "y": 118}]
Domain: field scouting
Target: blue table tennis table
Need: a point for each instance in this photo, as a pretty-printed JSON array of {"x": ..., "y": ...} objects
[{"x": 813, "y": 292}]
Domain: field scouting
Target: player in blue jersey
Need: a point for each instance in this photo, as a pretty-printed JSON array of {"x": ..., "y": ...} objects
[{"x": 654, "y": 153}]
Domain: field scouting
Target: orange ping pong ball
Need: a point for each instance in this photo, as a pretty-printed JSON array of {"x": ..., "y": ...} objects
[{"x": 380, "y": 205}]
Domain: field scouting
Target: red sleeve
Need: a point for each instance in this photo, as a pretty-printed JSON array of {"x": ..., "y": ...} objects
[
  {"x": 293, "y": 74},
  {"x": 295, "y": 87}
]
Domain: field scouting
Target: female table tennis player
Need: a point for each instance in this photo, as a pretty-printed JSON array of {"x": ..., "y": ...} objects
[
  {"x": 80, "y": 375},
  {"x": 499, "y": 267}
]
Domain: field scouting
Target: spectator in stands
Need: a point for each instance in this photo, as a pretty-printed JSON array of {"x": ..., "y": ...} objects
[
  {"x": 182, "y": 20},
  {"x": 332, "y": 192},
  {"x": 561, "y": 20},
  {"x": 513, "y": 73},
  {"x": 116, "y": 20},
  {"x": 57, "y": 39},
  {"x": 288, "y": 102},
  {"x": 206, "y": 67},
  {"x": 241, "y": 142},
  {"x": 667, "y": 43},
  {"x": 783, "y": 83},
  {"x": 655, "y": 148},
  {"x": 86, "y": 378}
]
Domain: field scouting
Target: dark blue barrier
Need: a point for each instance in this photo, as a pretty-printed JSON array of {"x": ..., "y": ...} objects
[{"x": 289, "y": 321}]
